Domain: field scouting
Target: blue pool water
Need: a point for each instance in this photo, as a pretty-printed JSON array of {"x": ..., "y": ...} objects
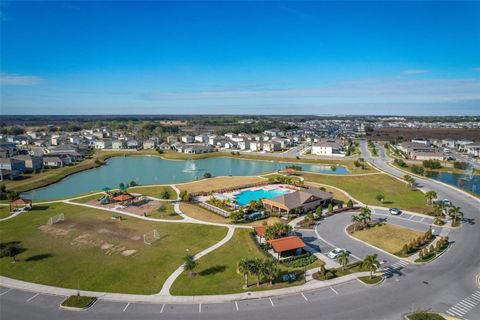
[{"x": 244, "y": 197}]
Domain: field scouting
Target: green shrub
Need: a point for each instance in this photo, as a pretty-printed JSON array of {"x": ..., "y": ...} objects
[
  {"x": 300, "y": 261},
  {"x": 432, "y": 164},
  {"x": 418, "y": 169},
  {"x": 460, "y": 165}
]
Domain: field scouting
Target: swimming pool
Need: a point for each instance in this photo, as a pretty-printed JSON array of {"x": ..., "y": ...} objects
[{"x": 243, "y": 198}]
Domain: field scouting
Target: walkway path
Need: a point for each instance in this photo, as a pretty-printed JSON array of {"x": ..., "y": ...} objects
[{"x": 171, "y": 279}]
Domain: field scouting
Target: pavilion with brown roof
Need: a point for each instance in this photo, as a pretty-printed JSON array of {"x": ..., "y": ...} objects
[
  {"x": 298, "y": 201},
  {"x": 287, "y": 246}
]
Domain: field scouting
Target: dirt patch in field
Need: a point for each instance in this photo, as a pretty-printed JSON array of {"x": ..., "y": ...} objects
[{"x": 104, "y": 235}]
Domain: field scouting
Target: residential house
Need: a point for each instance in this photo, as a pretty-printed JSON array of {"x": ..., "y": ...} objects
[
  {"x": 31, "y": 163},
  {"x": 119, "y": 144},
  {"x": 13, "y": 165},
  {"x": 473, "y": 149},
  {"x": 149, "y": 144},
  {"x": 202, "y": 138},
  {"x": 244, "y": 145},
  {"x": 103, "y": 144},
  {"x": 272, "y": 146},
  {"x": 256, "y": 145},
  {"x": 195, "y": 148},
  {"x": 132, "y": 144},
  {"x": 172, "y": 139},
  {"x": 188, "y": 139},
  {"x": 164, "y": 146},
  {"x": 329, "y": 147}
]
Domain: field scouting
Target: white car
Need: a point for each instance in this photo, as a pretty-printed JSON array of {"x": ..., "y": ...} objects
[
  {"x": 335, "y": 253},
  {"x": 395, "y": 211}
]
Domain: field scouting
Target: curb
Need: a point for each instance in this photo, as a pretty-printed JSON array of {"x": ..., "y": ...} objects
[{"x": 74, "y": 308}]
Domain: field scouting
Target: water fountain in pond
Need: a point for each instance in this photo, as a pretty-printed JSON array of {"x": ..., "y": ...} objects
[{"x": 190, "y": 166}]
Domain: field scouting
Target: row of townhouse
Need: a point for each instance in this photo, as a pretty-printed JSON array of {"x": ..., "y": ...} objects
[
  {"x": 421, "y": 150},
  {"x": 470, "y": 147}
]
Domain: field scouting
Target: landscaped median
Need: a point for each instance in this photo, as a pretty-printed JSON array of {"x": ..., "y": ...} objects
[{"x": 78, "y": 302}]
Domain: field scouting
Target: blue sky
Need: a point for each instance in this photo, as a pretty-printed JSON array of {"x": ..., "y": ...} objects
[{"x": 414, "y": 58}]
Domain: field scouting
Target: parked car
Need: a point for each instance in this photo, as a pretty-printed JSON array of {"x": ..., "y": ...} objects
[
  {"x": 447, "y": 202},
  {"x": 335, "y": 253},
  {"x": 395, "y": 211}
]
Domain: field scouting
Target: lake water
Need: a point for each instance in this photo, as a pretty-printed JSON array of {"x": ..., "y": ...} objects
[
  {"x": 154, "y": 170},
  {"x": 457, "y": 180}
]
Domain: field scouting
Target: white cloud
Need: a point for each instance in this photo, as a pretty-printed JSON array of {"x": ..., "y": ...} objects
[
  {"x": 9, "y": 79},
  {"x": 415, "y": 71}
]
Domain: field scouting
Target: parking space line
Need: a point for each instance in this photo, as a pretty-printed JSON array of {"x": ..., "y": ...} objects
[
  {"x": 421, "y": 220},
  {"x": 334, "y": 290},
  {"x": 411, "y": 217},
  {"x": 124, "y": 309},
  {"x": 161, "y": 311},
  {"x": 304, "y": 296},
  {"x": 271, "y": 302},
  {"x": 236, "y": 305},
  {"x": 199, "y": 307},
  {"x": 32, "y": 297},
  {"x": 1, "y": 294}
]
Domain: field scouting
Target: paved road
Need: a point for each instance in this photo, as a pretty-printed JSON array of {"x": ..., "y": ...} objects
[{"x": 447, "y": 285}]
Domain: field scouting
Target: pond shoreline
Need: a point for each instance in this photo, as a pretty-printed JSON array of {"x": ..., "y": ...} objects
[{"x": 108, "y": 157}]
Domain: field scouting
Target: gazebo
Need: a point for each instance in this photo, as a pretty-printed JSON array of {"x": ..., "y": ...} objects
[
  {"x": 123, "y": 197},
  {"x": 25, "y": 203}
]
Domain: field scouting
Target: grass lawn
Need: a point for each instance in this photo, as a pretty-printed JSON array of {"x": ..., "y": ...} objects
[
  {"x": 48, "y": 176},
  {"x": 80, "y": 302},
  {"x": 217, "y": 183},
  {"x": 4, "y": 211},
  {"x": 96, "y": 196},
  {"x": 217, "y": 271},
  {"x": 388, "y": 237},
  {"x": 92, "y": 250},
  {"x": 154, "y": 191},
  {"x": 336, "y": 194},
  {"x": 169, "y": 212},
  {"x": 366, "y": 188}
]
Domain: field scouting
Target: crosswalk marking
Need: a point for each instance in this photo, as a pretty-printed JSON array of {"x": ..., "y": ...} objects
[
  {"x": 465, "y": 305},
  {"x": 390, "y": 270}
]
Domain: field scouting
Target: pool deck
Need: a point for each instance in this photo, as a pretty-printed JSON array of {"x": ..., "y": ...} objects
[{"x": 232, "y": 194}]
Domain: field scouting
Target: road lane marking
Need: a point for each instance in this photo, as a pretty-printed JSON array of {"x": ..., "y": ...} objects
[
  {"x": 271, "y": 302},
  {"x": 304, "y": 296},
  {"x": 236, "y": 305},
  {"x": 33, "y": 297},
  {"x": 161, "y": 311},
  {"x": 124, "y": 309},
  {"x": 334, "y": 290},
  {"x": 1, "y": 294},
  {"x": 199, "y": 307}
]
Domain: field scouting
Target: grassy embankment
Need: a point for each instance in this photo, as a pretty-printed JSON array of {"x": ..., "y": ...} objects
[
  {"x": 37, "y": 180},
  {"x": 217, "y": 271},
  {"x": 91, "y": 251},
  {"x": 347, "y": 163}
]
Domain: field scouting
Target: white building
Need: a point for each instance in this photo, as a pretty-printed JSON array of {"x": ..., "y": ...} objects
[
  {"x": 328, "y": 147},
  {"x": 188, "y": 139}
]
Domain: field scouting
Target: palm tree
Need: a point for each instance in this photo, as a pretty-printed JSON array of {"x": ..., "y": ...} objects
[
  {"x": 366, "y": 215},
  {"x": 189, "y": 264},
  {"x": 356, "y": 219},
  {"x": 343, "y": 258},
  {"x": 269, "y": 270},
  {"x": 371, "y": 263},
  {"x": 430, "y": 195},
  {"x": 455, "y": 213},
  {"x": 256, "y": 266},
  {"x": 244, "y": 266}
]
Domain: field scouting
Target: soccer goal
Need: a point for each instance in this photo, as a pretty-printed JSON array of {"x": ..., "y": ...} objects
[
  {"x": 57, "y": 218},
  {"x": 151, "y": 236}
]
